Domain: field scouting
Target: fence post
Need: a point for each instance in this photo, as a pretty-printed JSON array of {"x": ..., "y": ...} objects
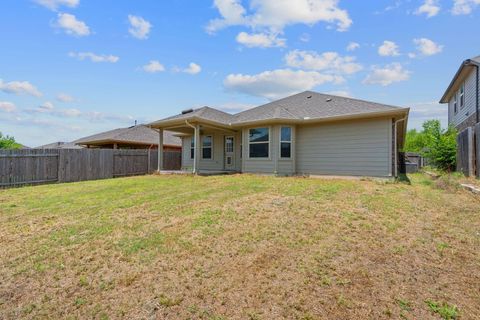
[{"x": 477, "y": 148}]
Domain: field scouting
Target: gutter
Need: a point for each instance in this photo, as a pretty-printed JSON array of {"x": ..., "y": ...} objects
[{"x": 194, "y": 146}]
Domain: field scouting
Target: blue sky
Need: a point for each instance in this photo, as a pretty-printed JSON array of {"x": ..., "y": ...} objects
[{"x": 70, "y": 68}]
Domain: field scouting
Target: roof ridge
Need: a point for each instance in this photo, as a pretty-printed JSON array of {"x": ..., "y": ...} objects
[{"x": 288, "y": 111}]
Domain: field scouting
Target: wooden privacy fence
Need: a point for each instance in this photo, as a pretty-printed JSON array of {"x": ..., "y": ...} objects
[
  {"x": 33, "y": 166},
  {"x": 468, "y": 151}
]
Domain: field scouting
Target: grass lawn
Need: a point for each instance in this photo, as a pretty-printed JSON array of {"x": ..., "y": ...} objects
[{"x": 239, "y": 247}]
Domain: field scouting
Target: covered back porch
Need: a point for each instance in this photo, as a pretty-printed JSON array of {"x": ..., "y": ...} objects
[{"x": 218, "y": 151}]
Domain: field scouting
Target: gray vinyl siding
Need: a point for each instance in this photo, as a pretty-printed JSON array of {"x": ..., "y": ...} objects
[
  {"x": 238, "y": 150},
  {"x": 272, "y": 165},
  {"x": 217, "y": 163},
  {"x": 470, "y": 101},
  {"x": 358, "y": 148},
  {"x": 187, "y": 162}
]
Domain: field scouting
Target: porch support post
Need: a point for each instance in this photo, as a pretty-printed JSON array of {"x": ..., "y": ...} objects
[
  {"x": 160, "y": 149},
  {"x": 197, "y": 150}
]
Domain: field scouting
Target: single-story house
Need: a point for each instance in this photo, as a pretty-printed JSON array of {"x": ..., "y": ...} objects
[
  {"x": 59, "y": 145},
  {"x": 134, "y": 137},
  {"x": 305, "y": 134}
]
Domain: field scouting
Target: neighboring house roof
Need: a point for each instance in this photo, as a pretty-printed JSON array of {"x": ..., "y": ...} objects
[
  {"x": 139, "y": 134},
  {"x": 302, "y": 107},
  {"x": 59, "y": 145},
  {"x": 461, "y": 72}
]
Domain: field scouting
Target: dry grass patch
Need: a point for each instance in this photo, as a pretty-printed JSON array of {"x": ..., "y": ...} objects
[{"x": 239, "y": 247}]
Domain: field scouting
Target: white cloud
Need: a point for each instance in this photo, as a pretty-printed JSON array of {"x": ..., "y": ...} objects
[
  {"x": 278, "y": 83},
  {"x": 330, "y": 62},
  {"x": 261, "y": 40},
  {"x": 427, "y": 47},
  {"x": 429, "y": 7},
  {"x": 192, "y": 68},
  {"x": 63, "y": 97},
  {"x": 55, "y": 4},
  {"x": 46, "y": 107},
  {"x": 153, "y": 66},
  {"x": 464, "y": 6},
  {"x": 70, "y": 24},
  {"x": 7, "y": 106},
  {"x": 388, "y": 48},
  {"x": 387, "y": 75},
  {"x": 70, "y": 113},
  {"x": 94, "y": 57},
  {"x": 140, "y": 28},
  {"x": 422, "y": 111},
  {"x": 352, "y": 46},
  {"x": 275, "y": 15},
  {"x": 19, "y": 88}
]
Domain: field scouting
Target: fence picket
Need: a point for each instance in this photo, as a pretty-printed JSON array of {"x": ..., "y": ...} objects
[{"x": 36, "y": 166}]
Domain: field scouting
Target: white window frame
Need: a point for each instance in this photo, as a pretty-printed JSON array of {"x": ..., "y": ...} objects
[
  {"x": 455, "y": 105},
  {"x": 462, "y": 95},
  {"x": 269, "y": 143},
  {"x": 281, "y": 141},
  {"x": 211, "y": 147}
]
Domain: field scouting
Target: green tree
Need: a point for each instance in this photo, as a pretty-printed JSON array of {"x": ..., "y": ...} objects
[
  {"x": 7, "y": 142},
  {"x": 437, "y": 144},
  {"x": 443, "y": 150}
]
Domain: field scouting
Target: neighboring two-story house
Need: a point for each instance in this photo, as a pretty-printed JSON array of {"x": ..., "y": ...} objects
[{"x": 462, "y": 95}]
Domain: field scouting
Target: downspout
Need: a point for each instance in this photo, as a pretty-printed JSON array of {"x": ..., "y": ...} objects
[
  {"x": 395, "y": 146},
  {"x": 194, "y": 146}
]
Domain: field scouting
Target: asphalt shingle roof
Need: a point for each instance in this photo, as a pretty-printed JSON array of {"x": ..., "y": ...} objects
[
  {"x": 206, "y": 113},
  {"x": 139, "y": 134},
  {"x": 60, "y": 145},
  {"x": 301, "y": 106},
  {"x": 310, "y": 105}
]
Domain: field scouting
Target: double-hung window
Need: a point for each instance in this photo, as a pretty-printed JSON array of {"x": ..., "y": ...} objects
[
  {"x": 207, "y": 143},
  {"x": 462, "y": 95},
  {"x": 258, "y": 142},
  {"x": 286, "y": 142}
]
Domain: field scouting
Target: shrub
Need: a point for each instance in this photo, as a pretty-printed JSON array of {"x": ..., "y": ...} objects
[
  {"x": 437, "y": 144},
  {"x": 7, "y": 142}
]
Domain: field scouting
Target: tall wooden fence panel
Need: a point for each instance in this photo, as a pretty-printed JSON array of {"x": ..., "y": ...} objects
[
  {"x": 34, "y": 166},
  {"x": 130, "y": 162},
  {"x": 172, "y": 160},
  {"x": 85, "y": 164},
  {"x": 465, "y": 152}
]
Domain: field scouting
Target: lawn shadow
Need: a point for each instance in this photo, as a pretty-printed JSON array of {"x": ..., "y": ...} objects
[{"x": 403, "y": 178}]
